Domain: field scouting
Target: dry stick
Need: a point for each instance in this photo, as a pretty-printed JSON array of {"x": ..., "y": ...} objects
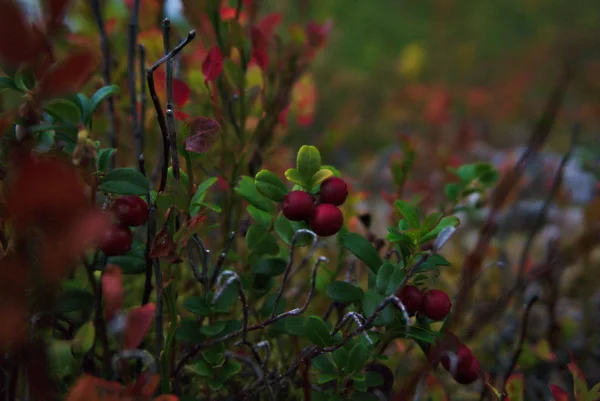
[
  {"x": 156, "y": 101},
  {"x": 166, "y": 26},
  {"x": 474, "y": 260},
  {"x": 519, "y": 346},
  {"x": 131, "y": 50},
  {"x": 106, "y": 61}
]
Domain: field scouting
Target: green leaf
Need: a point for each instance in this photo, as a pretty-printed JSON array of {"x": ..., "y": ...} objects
[
  {"x": 269, "y": 267},
  {"x": 260, "y": 241},
  {"x": 260, "y": 216},
  {"x": 84, "y": 339},
  {"x": 213, "y": 329},
  {"x": 125, "y": 181},
  {"x": 24, "y": 79},
  {"x": 203, "y": 369},
  {"x": 101, "y": 95},
  {"x": 231, "y": 368},
  {"x": 340, "y": 358},
  {"x": 188, "y": 332},
  {"x": 357, "y": 359},
  {"x": 228, "y": 297},
  {"x": 296, "y": 177},
  {"x": 197, "y": 305},
  {"x": 60, "y": 359},
  {"x": 430, "y": 222},
  {"x": 320, "y": 176},
  {"x": 395, "y": 280},
  {"x": 342, "y": 291},
  {"x": 323, "y": 364},
  {"x": 104, "y": 158},
  {"x": 215, "y": 355},
  {"x": 409, "y": 212},
  {"x": 334, "y": 170},
  {"x": 317, "y": 332},
  {"x": 373, "y": 379},
  {"x": 363, "y": 396},
  {"x": 383, "y": 277},
  {"x": 198, "y": 197},
  {"x": 448, "y": 221},
  {"x": 453, "y": 191},
  {"x": 7, "y": 83},
  {"x": 371, "y": 302},
  {"x": 45, "y": 142},
  {"x": 286, "y": 229},
  {"x": 64, "y": 110},
  {"x": 130, "y": 263},
  {"x": 234, "y": 73},
  {"x": 74, "y": 299},
  {"x": 247, "y": 190},
  {"x": 269, "y": 185},
  {"x": 363, "y": 250},
  {"x": 419, "y": 333},
  {"x": 308, "y": 162},
  {"x": 326, "y": 378},
  {"x": 294, "y": 325}
]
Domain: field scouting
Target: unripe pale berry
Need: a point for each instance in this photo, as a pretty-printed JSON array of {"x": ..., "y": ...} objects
[
  {"x": 326, "y": 220},
  {"x": 334, "y": 190},
  {"x": 298, "y": 206},
  {"x": 468, "y": 375},
  {"x": 411, "y": 298},
  {"x": 116, "y": 240},
  {"x": 436, "y": 304},
  {"x": 130, "y": 210}
]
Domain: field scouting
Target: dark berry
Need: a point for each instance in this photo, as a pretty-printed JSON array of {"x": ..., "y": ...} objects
[
  {"x": 447, "y": 342},
  {"x": 298, "y": 206},
  {"x": 130, "y": 210},
  {"x": 468, "y": 374},
  {"x": 436, "y": 304},
  {"x": 116, "y": 240},
  {"x": 412, "y": 299},
  {"x": 334, "y": 190},
  {"x": 326, "y": 220},
  {"x": 463, "y": 358},
  {"x": 386, "y": 374}
]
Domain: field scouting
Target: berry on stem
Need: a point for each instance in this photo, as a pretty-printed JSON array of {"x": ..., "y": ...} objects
[
  {"x": 130, "y": 210},
  {"x": 334, "y": 191},
  {"x": 326, "y": 220},
  {"x": 463, "y": 359},
  {"x": 298, "y": 206},
  {"x": 411, "y": 298},
  {"x": 116, "y": 240},
  {"x": 468, "y": 374},
  {"x": 436, "y": 304}
]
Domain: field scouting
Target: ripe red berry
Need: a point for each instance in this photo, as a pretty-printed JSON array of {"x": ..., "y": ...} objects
[
  {"x": 463, "y": 359},
  {"x": 334, "y": 190},
  {"x": 436, "y": 304},
  {"x": 130, "y": 210},
  {"x": 326, "y": 220},
  {"x": 412, "y": 299},
  {"x": 298, "y": 206},
  {"x": 467, "y": 375},
  {"x": 116, "y": 240}
]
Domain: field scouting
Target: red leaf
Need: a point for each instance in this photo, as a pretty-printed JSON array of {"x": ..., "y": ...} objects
[
  {"x": 181, "y": 91},
  {"x": 14, "y": 324},
  {"x": 203, "y": 135},
  {"x": 317, "y": 34},
  {"x": 269, "y": 23},
  {"x": 112, "y": 290},
  {"x": 163, "y": 247},
  {"x": 261, "y": 58},
  {"x": 17, "y": 42},
  {"x": 228, "y": 14},
  {"x": 558, "y": 393},
  {"x": 282, "y": 118},
  {"x": 305, "y": 119},
  {"x": 68, "y": 75},
  {"x": 259, "y": 40},
  {"x": 55, "y": 11},
  {"x": 138, "y": 323},
  {"x": 181, "y": 116},
  {"x": 213, "y": 64}
]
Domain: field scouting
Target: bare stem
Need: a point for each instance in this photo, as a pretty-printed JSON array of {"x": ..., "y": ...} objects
[
  {"x": 166, "y": 29},
  {"x": 131, "y": 75}
]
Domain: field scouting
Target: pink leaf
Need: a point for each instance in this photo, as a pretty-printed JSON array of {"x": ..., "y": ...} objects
[
  {"x": 269, "y": 23},
  {"x": 112, "y": 290},
  {"x": 138, "y": 323},
  {"x": 213, "y": 64},
  {"x": 203, "y": 135}
]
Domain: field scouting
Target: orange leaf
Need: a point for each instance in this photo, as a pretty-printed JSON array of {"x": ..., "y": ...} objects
[
  {"x": 163, "y": 247},
  {"x": 112, "y": 290},
  {"x": 68, "y": 75},
  {"x": 138, "y": 322},
  {"x": 17, "y": 42}
]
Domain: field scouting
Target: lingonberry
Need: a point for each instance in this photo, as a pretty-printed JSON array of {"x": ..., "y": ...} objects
[
  {"x": 411, "y": 298},
  {"x": 298, "y": 206},
  {"x": 334, "y": 190},
  {"x": 130, "y": 210},
  {"x": 468, "y": 374},
  {"x": 116, "y": 240},
  {"x": 326, "y": 220},
  {"x": 436, "y": 304},
  {"x": 463, "y": 357}
]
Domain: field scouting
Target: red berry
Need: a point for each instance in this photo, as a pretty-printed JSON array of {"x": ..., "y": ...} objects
[
  {"x": 468, "y": 375},
  {"x": 412, "y": 299},
  {"x": 298, "y": 206},
  {"x": 116, "y": 240},
  {"x": 463, "y": 358},
  {"x": 436, "y": 304},
  {"x": 130, "y": 210},
  {"x": 334, "y": 190},
  {"x": 326, "y": 220}
]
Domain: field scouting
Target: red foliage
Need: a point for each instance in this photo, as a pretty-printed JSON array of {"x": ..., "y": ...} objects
[
  {"x": 181, "y": 91},
  {"x": 18, "y": 43},
  {"x": 203, "y": 135},
  {"x": 68, "y": 75},
  {"x": 558, "y": 393},
  {"x": 138, "y": 323},
  {"x": 259, "y": 47},
  {"x": 112, "y": 290},
  {"x": 213, "y": 64}
]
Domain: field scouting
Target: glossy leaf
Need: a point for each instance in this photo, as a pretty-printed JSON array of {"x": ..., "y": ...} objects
[
  {"x": 409, "y": 212},
  {"x": 101, "y": 95},
  {"x": 64, "y": 110},
  {"x": 357, "y": 358},
  {"x": 316, "y": 331},
  {"x": 104, "y": 157},
  {"x": 286, "y": 229},
  {"x": 342, "y": 291},
  {"x": 296, "y": 177},
  {"x": 125, "y": 181},
  {"x": 269, "y": 267},
  {"x": 363, "y": 250},
  {"x": 383, "y": 277},
  {"x": 269, "y": 185},
  {"x": 308, "y": 162},
  {"x": 246, "y": 188}
]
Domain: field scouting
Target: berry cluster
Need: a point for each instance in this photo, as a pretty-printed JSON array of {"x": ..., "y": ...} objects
[
  {"x": 463, "y": 366},
  {"x": 129, "y": 211},
  {"x": 434, "y": 304},
  {"x": 321, "y": 213}
]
